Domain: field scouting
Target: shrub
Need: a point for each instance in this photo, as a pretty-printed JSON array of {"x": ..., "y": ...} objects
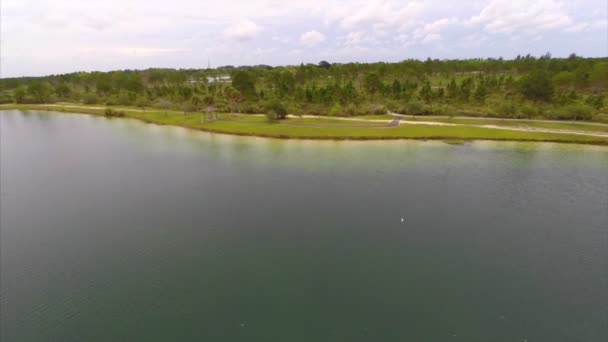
[
  {"x": 123, "y": 100},
  {"x": 111, "y": 113},
  {"x": 505, "y": 109},
  {"x": 142, "y": 102},
  {"x": 275, "y": 110},
  {"x": 5, "y": 98},
  {"x": 527, "y": 110},
  {"x": 575, "y": 112},
  {"x": 251, "y": 108},
  {"x": 595, "y": 101},
  {"x": 336, "y": 110},
  {"x": 351, "y": 110},
  {"x": 415, "y": 108},
  {"x": 376, "y": 109},
  {"x": 90, "y": 99}
]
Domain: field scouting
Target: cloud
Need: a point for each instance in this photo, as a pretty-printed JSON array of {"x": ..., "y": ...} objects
[
  {"x": 242, "y": 31},
  {"x": 312, "y": 38},
  {"x": 47, "y": 36},
  {"x": 431, "y": 32},
  {"x": 382, "y": 14},
  {"x": 587, "y": 26},
  {"x": 509, "y": 16}
]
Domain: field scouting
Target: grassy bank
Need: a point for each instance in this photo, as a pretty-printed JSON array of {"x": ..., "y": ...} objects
[{"x": 327, "y": 128}]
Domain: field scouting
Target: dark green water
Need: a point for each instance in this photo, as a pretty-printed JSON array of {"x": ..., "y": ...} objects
[{"x": 113, "y": 230}]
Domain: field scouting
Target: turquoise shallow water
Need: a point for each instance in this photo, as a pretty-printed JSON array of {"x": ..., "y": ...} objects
[{"x": 114, "y": 230}]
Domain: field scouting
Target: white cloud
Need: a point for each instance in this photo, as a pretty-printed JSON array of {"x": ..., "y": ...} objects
[
  {"x": 242, "y": 31},
  {"x": 47, "y": 36},
  {"x": 312, "y": 38},
  {"x": 508, "y": 16},
  {"x": 431, "y": 32},
  {"x": 382, "y": 14},
  {"x": 586, "y": 26}
]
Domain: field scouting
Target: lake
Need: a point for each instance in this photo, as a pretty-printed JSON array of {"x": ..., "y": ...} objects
[{"x": 115, "y": 230}]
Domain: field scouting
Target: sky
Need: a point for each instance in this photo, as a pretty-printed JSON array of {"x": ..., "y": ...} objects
[{"x": 42, "y": 37}]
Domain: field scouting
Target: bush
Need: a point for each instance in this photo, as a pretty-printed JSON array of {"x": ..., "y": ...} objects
[
  {"x": 376, "y": 109},
  {"x": 275, "y": 110},
  {"x": 5, "y": 98},
  {"x": 351, "y": 110},
  {"x": 251, "y": 108},
  {"x": 336, "y": 110},
  {"x": 528, "y": 111},
  {"x": 575, "y": 112},
  {"x": 142, "y": 102},
  {"x": 90, "y": 99},
  {"x": 415, "y": 108},
  {"x": 111, "y": 113},
  {"x": 507, "y": 109},
  {"x": 123, "y": 100},
  {"x": 595, "y": 101}
]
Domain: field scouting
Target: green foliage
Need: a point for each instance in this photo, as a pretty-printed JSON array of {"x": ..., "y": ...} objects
[
  {"x": 63, "y": 90},
  {"x": 441, "y": 86},
  {"x": 90, "y": 99},
  {"x": 505, "y": 109},
  {"x": 415, "y": 107},
  {"x": 336, "y": 110},
  {"x": 577, "y": 111},
  {"x": 324, "y": 65},
  {"x": 20, "y": 94},
  {"x": 596, "y": 101},
  {"x": 599, "y": 74},
  {"x": 114, "y": 113},
  {"x": 39, "y": 91},
  {"x": 373, "y": 84},
  {"x": 142, "y": 102},
  {"x": 351, "y": 110},
  {"x": 564, "y": 79},
  {"x": 275, "y": 110},
  {"x": 528, "y": 111},
  {"x": 244, "y": 82},
  {"x": 537, "y": 86}
]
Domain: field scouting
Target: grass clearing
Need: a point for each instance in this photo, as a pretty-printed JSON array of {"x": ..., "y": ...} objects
[{"x": 327, "y": 128}]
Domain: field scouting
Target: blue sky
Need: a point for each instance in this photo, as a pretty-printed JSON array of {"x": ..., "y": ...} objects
[{"x": 42, "y": 37}]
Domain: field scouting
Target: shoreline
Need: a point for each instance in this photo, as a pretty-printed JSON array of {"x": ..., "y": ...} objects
[{"x": 277, "y": 130}]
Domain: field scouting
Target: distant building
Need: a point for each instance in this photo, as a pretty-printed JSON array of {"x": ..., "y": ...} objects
[
  {"x": 219, "y": 79},
  {"x": 194, "y": 80}
]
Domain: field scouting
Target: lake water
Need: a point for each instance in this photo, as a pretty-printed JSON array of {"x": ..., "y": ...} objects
[{"x": 114, "y": 230}]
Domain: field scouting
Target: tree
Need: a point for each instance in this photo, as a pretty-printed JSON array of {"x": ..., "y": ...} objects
[
  {"x": 39, "y": 91},
  {"x": 62, "y": 90},
  {"x": 480, "y": 92},
  {"x": 453, "y": 89},
  {"x": 243, "y": 82},
  {"x": 324, "y": 65},
  {"x": 20, "y": 94},
  {"x": 599, "y": 74},
  {"x": 372, "y": 82},
  {"x": 275, "y": 110},
  {"x": 426, "y": 92},
  {"x": 537, "y": 86},
  {"x": 196, "y": 102},
  {"x": 233, "y": 96}
]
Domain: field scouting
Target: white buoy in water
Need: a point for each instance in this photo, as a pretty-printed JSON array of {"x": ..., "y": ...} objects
[{"x": 402, "y": 220}]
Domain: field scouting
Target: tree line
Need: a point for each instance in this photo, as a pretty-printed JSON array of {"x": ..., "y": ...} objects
[{"x": 527, "y": 86}]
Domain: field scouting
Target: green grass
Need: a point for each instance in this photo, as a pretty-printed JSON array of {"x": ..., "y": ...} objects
[{"x": 335, "y": 129}]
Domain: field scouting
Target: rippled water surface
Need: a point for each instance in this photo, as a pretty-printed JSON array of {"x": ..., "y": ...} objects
[{"x": 114, "y": 230}]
